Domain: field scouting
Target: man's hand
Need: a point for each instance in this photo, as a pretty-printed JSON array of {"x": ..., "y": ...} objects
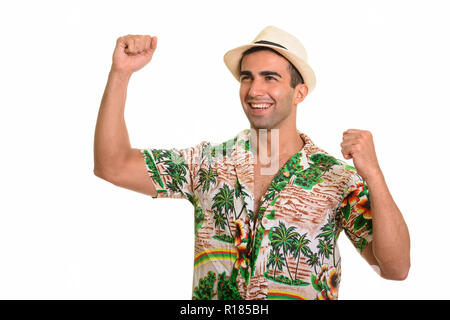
[
  {"x": 132, "y": 53},
  {"x": 358, "y": 144}
]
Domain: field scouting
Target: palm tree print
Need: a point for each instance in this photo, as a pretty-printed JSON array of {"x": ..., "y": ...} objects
[
  {"x": 159, "y": 154},
  {"x": 176, "y": 163},
  {"x": 285, "y": 238},
  {"x": 220, "y": 219},
  {"x": 239, "y": 191},
  {"x": 329, "y": 235},
  {"x": 325, "y": 249},
  {"x": 313, "y": 261},
  {"x": 329, "y": 229},
  {"x": 206, "y": 178},
  {"x": 178, "y": 178},
  {"x": 300, "y": 248},
  {"x": 199, "y": 217},
  {"x": 224, "y": 203},
  {"x": 289, "y": 242},
  {"x": 223, "y": 149},
  {"x": 277, "y": 184},
  {"x": 224, "y": 200},
  {"x": 175, "y": 167},
  {"x": 207, "y": 154},
  {"x": 276, "y": 260}
]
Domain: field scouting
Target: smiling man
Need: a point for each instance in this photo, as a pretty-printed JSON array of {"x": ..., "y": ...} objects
[{"x": 269, "y": 204}]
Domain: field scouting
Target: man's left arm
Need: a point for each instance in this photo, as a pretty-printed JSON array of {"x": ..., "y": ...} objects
[{"x": 390, "y": 247}]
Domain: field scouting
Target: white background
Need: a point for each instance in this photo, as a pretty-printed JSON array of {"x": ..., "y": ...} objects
[{"x": 381, "y": 66}]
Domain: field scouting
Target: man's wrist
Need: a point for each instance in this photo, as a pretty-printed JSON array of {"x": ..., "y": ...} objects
[
  {"x": 375, "y": 178},
  {"x": 120, "y": 75}
]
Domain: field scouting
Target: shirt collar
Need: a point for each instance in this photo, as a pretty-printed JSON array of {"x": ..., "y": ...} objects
[
  {"x": 243, "y": 155},
  {"x": 243, "y": 159}
]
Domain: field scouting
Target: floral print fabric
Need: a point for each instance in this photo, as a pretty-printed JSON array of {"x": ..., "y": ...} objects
[{"x": 286, "y": 250}]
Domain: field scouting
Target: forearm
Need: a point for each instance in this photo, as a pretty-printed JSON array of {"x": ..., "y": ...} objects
[
  {"x": 111, "y": 141},
  {"x": 391, "y": 242}
]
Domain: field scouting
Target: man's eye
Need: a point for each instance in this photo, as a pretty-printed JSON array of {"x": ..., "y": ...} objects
[{"x": 270, "y": 78}]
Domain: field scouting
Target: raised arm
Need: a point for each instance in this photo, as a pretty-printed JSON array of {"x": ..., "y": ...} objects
[{"x": 114, "y": 159}]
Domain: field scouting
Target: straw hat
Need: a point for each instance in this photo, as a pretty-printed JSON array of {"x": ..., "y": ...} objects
[{"x": 286, "y": 44}]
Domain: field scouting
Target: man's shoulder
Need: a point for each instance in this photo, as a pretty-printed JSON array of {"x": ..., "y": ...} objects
[
  {"x": 226, "y": 147},
  {"x": 213, "y": 151},
  {"x": 330, "y": 163}
]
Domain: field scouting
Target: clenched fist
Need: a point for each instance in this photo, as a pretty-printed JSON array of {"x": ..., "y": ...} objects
[{"x": 133, "y": 52}]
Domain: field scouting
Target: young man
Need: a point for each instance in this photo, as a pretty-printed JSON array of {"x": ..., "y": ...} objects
[{"x": 269, "y": 204}]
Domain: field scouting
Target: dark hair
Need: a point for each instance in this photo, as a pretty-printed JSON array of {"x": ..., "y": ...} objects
[{"x": 296, "y": 77}]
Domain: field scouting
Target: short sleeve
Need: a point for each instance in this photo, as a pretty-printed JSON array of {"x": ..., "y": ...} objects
[
  {"x": 355, "y": 216},
  {"x": 172, "y": 171}
]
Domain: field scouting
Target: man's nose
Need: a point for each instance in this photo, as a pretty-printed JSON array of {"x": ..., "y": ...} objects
[{"x": 257, "y": 88}]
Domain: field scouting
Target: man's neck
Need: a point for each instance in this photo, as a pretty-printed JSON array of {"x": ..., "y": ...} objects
[{"x": 276, "y": 144}]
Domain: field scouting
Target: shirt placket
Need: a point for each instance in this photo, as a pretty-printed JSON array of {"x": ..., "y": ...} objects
[{"x": 243, "y": 163}]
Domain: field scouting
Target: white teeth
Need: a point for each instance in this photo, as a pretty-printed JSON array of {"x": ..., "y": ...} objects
[{"x": 260, "y": 106}]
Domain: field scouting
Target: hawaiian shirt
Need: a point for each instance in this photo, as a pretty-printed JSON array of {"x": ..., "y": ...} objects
[{"x": 286, "y": 250}]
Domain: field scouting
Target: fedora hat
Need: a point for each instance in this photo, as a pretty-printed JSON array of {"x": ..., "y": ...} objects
[{"x": 281, "y": 41}]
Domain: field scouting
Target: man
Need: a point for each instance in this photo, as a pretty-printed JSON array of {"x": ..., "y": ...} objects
[{"x": 269, "y": 204}]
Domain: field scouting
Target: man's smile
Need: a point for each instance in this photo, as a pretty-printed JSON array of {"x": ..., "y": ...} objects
[{"x": 260, "y": 105}]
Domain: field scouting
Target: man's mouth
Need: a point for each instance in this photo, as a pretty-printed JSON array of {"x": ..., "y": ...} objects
[{"x": 260, "y": 105}]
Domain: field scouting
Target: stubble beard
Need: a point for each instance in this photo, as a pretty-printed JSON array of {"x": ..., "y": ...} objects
[{"x": 270, "y": 123}]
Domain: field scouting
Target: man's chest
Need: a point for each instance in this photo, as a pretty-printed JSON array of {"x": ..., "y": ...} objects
[
  {"x": 261, "y": 185},
  {"x": 262, "y": 181}
]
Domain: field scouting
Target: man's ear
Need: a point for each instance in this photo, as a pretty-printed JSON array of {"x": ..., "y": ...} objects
[{"x": 301, "y": 91}]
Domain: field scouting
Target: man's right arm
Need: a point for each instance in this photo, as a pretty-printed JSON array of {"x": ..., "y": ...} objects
[{"x": 114, "y": 159}]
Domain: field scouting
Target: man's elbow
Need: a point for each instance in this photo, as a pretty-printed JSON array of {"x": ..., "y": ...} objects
[
  {"x": 102, "y": 174},
  {"x": 398, "y": 275},
  {"x": 98, "y": 173}
]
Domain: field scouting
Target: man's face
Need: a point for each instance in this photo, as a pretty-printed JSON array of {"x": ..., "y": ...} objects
[{"x": 265, "y": 92}]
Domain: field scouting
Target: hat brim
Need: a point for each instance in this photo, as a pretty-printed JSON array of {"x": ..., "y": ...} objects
[{"x": 233, "y": 57}]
